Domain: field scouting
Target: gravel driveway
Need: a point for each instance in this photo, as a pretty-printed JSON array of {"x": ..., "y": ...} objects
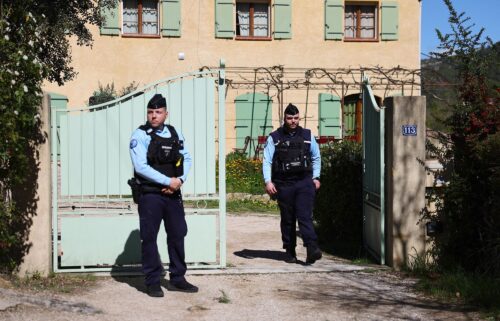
[{"x": 258, "y": 285}]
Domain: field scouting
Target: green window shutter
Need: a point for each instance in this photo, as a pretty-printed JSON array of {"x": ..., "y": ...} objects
[
  {"x": 111, "y": 26},
  {"x": 334, "y": 16},
  {"x": 390, "y": 20},
  {"x": 330, "y": 116},
  {"x": 253, "y": 118},
  {"x": 282, "y": 19},
  {"x": 224, "y": 19},
  {"x": 171, "y": 18}
]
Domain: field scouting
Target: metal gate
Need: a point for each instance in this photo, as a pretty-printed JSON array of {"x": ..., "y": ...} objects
[
  {"x": 373, "y": 175},
  {"x": 95, "y": 222}
]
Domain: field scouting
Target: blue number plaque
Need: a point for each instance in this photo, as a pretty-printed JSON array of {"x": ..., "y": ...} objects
[{"x": 409, "y": 130}]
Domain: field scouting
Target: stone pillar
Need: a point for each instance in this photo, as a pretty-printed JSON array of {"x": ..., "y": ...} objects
[
  {"x": 405, "y": 159},
  {"x": 39, "y": 257}
]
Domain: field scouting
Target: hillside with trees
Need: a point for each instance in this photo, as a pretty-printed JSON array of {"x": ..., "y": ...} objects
[{"x": 439, "y": 85}]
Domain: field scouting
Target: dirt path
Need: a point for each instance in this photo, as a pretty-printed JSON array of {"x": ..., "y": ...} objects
[{"x": 257, "y": 286}]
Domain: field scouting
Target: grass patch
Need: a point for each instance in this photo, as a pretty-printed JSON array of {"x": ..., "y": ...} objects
[
  {"x": 362, "y": 261},
  {"x": 476, "y": 290},
  {"x": 241, "y": 206},
  {"x": 55, "y": 283},
  {"x": 224, "y": 298}
]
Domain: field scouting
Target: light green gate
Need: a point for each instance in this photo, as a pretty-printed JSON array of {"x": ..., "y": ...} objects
[
  {"x": 373, "y": 175},
  {"x": 95, "y": 222}
]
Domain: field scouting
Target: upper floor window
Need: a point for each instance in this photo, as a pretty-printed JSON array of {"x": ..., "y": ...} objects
[
  {"x": 252, "y": 19},
  {"x": 360, "y": 22},
  {"x": 140, "y": 17}
]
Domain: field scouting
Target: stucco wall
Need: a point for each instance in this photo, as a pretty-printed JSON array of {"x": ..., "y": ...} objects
[
  {"x": 38, "y": 259},
  {"x": 405, "y": 180},
  {"x": 123, "y": 60}
]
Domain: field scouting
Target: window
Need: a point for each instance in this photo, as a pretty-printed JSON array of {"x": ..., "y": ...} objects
[
  {"x": 360, "y": 22},
  {"x": 140, "y": 17},
  {"x": 252, "y": 20}
]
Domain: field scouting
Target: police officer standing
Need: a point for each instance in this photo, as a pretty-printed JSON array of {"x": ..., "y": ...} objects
[
  {"x": 161, "y": 163},
  {"x": 291, "y": 168}
]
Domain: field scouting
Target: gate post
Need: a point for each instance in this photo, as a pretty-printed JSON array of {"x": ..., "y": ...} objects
[
  {"x": 222, "y": 161},
  {"x": 38, "y": 258},
  {"x": 405, "y": 124}
]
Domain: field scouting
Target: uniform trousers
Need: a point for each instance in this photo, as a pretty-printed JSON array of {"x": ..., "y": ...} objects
[
  {"x": 296, "y": 201},
  {"x": 153, "y": 208}
]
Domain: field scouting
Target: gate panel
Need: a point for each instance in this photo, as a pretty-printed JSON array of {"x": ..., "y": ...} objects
[
  {"x": 373, "y": 175},
  {"x": 94, "y": 142},
  {"x": 95, "y": 221},
  {"x": 96, "y": 248},
  {"x": 100, "y": 186}
]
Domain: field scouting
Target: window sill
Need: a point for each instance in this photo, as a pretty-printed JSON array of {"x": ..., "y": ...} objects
[
  {"x": 360, "y": 40},
  {"x": 254, "y": 38},
  {"x": 129, "y": 35}
]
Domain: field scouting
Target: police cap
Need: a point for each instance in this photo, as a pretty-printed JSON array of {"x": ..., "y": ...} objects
[
  {"x": 291, "y": 110},
  {"x": 158, "y": 101}
]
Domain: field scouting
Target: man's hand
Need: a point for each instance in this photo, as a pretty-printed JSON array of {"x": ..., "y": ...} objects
[
  {"x": 317, "y": 184},
  {"x": 271, "y": 189},
  {"x": 175, "y": 183},
  {"x": 167, "y": 191}
]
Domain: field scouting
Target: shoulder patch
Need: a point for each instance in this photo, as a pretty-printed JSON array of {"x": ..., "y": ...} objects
[{"x": 133, "y": 143}]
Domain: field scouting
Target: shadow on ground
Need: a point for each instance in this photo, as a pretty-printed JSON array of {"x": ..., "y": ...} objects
[
  {"x": 264, "y": 254},
  {"x": 369, "y": 292},
  {"x": 122, "y": 267},
  {"x": 136, "y": 282}
]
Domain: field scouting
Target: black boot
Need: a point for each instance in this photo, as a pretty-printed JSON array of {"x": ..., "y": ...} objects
[
  {"x": 313, "y": 253},
  {"x": 155, "y": 291},
  {"x": 291, "y": 256},
  {"x": 182, "y": 286}
]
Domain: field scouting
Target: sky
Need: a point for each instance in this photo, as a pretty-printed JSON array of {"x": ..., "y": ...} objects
[{"x": 483, "y": 13}]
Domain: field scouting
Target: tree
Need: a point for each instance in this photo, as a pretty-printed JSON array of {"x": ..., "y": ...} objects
[
  {"x": 34, "y": 46},
  {"x": 467, "y": 207}
]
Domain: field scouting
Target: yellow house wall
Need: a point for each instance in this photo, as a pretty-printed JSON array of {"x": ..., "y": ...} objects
[{"x": 122, "y": 60}]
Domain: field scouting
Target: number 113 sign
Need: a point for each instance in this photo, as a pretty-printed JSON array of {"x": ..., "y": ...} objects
[{"x": 409, "y": 130}]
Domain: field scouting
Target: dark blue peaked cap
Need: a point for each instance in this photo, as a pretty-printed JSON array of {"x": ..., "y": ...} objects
[{"x": 158, "y": 101}]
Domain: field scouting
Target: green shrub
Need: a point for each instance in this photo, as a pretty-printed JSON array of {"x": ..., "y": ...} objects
[
  {"x": 243, "y": 175},
  {"x": 467, "y": 206},
  {"x": 21, "y": 76},
  {"x": 338, "y": 211},
  {"x": 34, "y": 47},
  {"x": 103, "y": 94},
  {"x": 108, "y": 93}
]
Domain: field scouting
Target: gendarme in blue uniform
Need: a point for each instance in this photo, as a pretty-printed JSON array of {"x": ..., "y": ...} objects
[
  {"x": 291, "y": 161},
  {"x": 158, "y": 155},
  {"x": 139, "y": 143},
  {"x": 155, "y": 207}
]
